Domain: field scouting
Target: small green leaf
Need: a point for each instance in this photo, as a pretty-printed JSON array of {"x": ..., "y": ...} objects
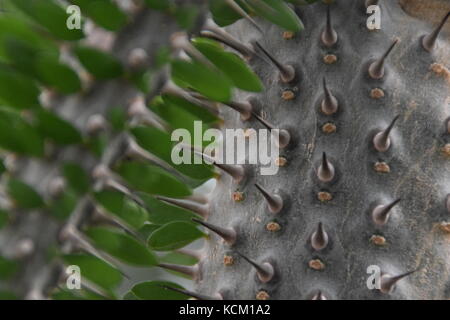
[
  {"x": 23, "y": 195},
  {"x": 179, "y": 258},
  {"x": 17, "y": 90},
  {"x": 161, "y": 213},
  {"x": 159, "y": 4},
  {"x": 174, "y": 235},
  {"x": 104, "y": 13},
  {"x": 4, "y": 219},
  {"x": 17, "y": 135},
  {"x": 153, "y": 290},
  {"x": 7, "y": 268},
  {"x": 117, "y": 117},
  {"x": 59, "y": 130},
  {"x": 152, "y": 179},
  {"x": 200, "y": 113},
  {"x": 121, "y": 246},
  {"x": 76, "y": 177},
  {"x": 119, "y": 205},
  {"x": 211, "y": 83},
  {"x": 230, "y": 64},
  {"x": 147, "y": 229},
  {"x": 278, "y": 12},
  {"x": 223, "y": 14},
  {"x": 57, "y": 75},
  {"x": 186, "y": 16},
  {"x": 100, "y": 64},
  {"x": 63, "y": 206},
  {"x": 95, "y": 270},
  {"x": 51, "y": 16}
]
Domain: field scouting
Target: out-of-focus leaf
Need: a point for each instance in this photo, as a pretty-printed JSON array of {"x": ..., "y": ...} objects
[
  {"x": 16, "y": 135},
  {"x": 174, "y": 235},
  {"x": 23, "y": 195},
  {"x": 95, "y": 270},
  {"x": 56, "y": 128},
  {"x": 223, "y": 14},
  {"x": 17, "y": 90},
  {"x": 7, "y": 268},
  {"x": 153, "y": 290},
  {"x": 105, "y": 13},
  {"x": 76, "y": 177},
  {"x": 152, "y": 179},
  {"x": 186, "y": 16},
  {"x": 57, "y": 75},
  {"x": 159, "y": 4},
  {"x": 100, "y": 64},
  {"x": 63, "y": 206},
  {"x": 119, "y": 205},
  {"x": 4, "y": 218},
  {"x": 117, "y": 117},
  {"x": 230, "y": 64},
  {"x": 121, "y": 246},
  {"x": 51, "y": 16}
]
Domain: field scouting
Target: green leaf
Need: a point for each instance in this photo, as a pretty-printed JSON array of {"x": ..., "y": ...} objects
[
  {"x": 119, "y": 205},
  {"x": 17, "y": 90},
  {"x": 200, "y": 113},
  {"x": 63, "y": 206},
  {"x": 161, "y": 213},
  {"x": 211, "y": 83},
  {"x": 230, "y": 64},
  {"x": 7, "y": 295},
  {"x": 121, "y": 246},
  {"x": 59, "y": 130},
  {"x": 57, "y": 75},
  {"x": 153, "y": 290},
  {"x": 179, "y": 258},
  {"x": 7, "y": 268},
  {"x": 95, "y": 270},
  {"x": 23, "y": 195},
  {"x": 278, "y": 12},
  {"x": 159, "y": 4},
  {"x": 100, "y": 64},
  {"x": 223, "y": 14},
  {"x": 147, "y": 229},
  {"x": 4, "y": 218},
  {"x": 16, "y": 135},
  {"x": 159, "y": 144},
  {"x": 104, "y": 13},
  {"x": 174, "y": 235},
  {"x": 152, "y": 179},
  {"x": 186, "y": 16},
  {"x": 117, "y": 117},
  {"x": 51, "y": 16},
  {"x": 76, "y": 177}
]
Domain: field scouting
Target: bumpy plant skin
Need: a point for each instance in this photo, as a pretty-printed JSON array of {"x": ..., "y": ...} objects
[{"x": 415, "y": 168}]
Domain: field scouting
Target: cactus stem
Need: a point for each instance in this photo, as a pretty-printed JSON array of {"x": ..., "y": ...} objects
[
  {"x": 319, "y": 239},
  {"x": 244, "y": 108},
  {"x": 319, "y": 296},
  {"x": 287, "y": 72},
  {"x": 188, "y": 293},
  {"x": 388, "y": 282},
  {"x": 329, "y": 36},
  {"x": 429, "y": 41},
  {"x": 274, "y": 201},
  {"x": 265, "y": 271},
  {"x": 191, "y": 271},
  {"x": 283, "y": 137},
  {"x": 376, "y": 69},
  {"x": 326, "y": 171},
  {"x": 381, "y": 141},
  {"x": 381, "y": 213},
  {"x": 329, "y": 104},
  {"x": 201, "y": 209},
  {"x": 229, "y": 235}
]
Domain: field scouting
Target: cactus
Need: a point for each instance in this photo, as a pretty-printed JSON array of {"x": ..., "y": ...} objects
[{"x": 89, "y": 180}]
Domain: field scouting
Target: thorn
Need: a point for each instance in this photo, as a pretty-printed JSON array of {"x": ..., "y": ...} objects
[
  {"x": 287, "y": 72},
  {"x": 264, "y": 271},
  {"x": 243, "y": 14},
  {"x": 429, "y": 41},
  {"x": 326, "y": 171},
  {"x": 282, "y": 136},
  {"x": 329, "y": 36},
  {"x": 388, "y": 282},
  {"x": 188, "y": 293},
  {"x": 244, "y": 108},
  {"x": 201, "y": 209},
  {"x": 191, "y": 271},
  {"x": 319, "y": 296},
  {"x": 180, "y": 41},
  {"x": 381, "y": 213},
  {"x": 330, "y": 104},
  {"x": 381, "y": 141},
  {"x": 274, "y": 201},
  {"x": 229, "y": 235},
  {"x": 376, "y": 69},
  {"x": 371, "y": 3},
  {"x": 214, "y": 32},
  {"x": 319, "y": 239},
  {"x": 196, "y": 254}
]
